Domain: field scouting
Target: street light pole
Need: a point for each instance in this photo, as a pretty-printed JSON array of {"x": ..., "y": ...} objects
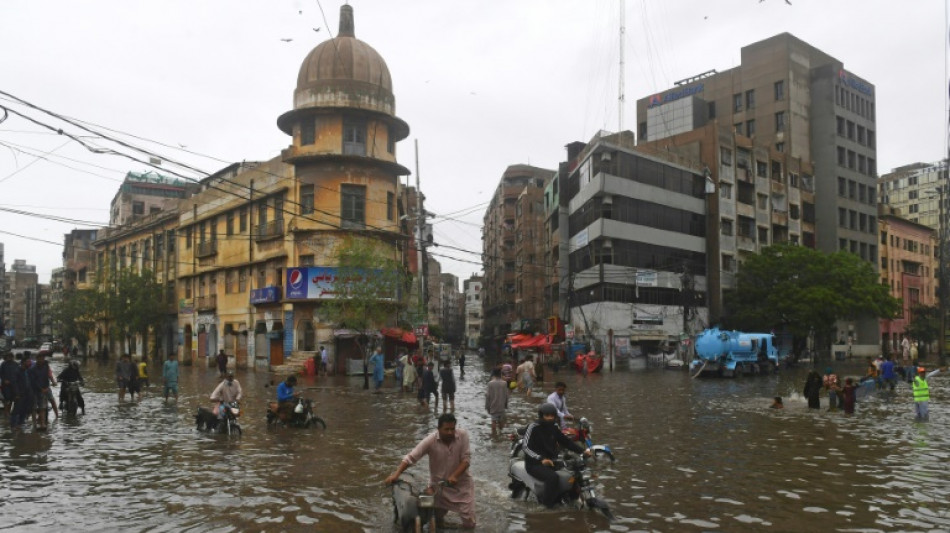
[{"x": 941, "y": 289}]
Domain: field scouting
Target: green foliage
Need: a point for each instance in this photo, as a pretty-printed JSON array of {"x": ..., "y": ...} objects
[
  {"x": 924, "y": 324},
  {"x": 77, "y": 313},
  {"x": 798, "y": 289},
  {"x": 133, "y": 304},
  {"x": 368, "y": 285}
]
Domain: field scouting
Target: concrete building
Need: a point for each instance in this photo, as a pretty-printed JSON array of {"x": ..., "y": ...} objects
[
  {"x": 909, "y": 269},
  {"x": 258, "y": 243},
  {"x": 20, "y": 316},
  {"x": 146, "y": 193},
  {"x": 790, "y": 98},
  {"x": 453, "y": 309},
  {"x": 56, "y": 292},
  {"x": 79, "y": 258},
  {"x": 472, "y": 288},
  {"x": 146, "y": 245},
  {"x": 500, "y": 253},
  {"x": 4, "y": 295},
  {"x": 632, "y": 244},
  {"x": 912, "y": 191}
]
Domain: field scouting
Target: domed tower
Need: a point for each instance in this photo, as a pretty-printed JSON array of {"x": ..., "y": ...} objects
[{"x": 344, "y": 132}]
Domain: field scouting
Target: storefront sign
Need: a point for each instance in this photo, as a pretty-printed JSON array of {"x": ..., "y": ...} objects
[
  {"x": 265, "y": 295},
  {"x": 321, "y": 283}
]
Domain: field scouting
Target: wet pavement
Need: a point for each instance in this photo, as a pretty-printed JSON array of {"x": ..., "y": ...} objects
[{"x": 692, "y": 455}]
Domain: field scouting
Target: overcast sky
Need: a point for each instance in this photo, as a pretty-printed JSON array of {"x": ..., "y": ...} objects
[{"x": 483, "y": 85}]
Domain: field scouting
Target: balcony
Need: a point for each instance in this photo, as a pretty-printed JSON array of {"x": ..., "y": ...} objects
[
  {"x": 207, "y": 303},
  {"x": 206, "y": 249},
  {"x": 269, "y": 230}
]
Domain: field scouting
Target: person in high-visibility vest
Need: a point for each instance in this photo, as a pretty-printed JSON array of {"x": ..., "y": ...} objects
[{"x": 922, "y": 391}]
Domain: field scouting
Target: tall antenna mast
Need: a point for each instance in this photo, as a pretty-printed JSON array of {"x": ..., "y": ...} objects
[{"x": 620, "y": 99}]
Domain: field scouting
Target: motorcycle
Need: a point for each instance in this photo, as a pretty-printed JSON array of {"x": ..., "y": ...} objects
[
  {"x": 574, "y": 485},
  {"x": 414, "y": 509},
  {"x": 581, "y": 433},
  {"x": 72, "y": 398},
  {"x": 302, "y": 416},
  {"x": 207, "y": 420}
]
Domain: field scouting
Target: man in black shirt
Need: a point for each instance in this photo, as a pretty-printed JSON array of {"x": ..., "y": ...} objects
[{"x": 541, "y": 442}]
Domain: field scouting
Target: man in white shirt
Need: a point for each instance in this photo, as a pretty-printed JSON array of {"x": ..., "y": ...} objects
[{"x": 560, "y": 402}]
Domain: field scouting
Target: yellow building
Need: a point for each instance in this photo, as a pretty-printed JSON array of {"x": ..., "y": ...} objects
[{"x": 252, "y": 239}]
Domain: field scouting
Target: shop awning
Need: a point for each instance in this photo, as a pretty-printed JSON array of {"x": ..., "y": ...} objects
[
  {"x": 400, "y": 335},
  {"x": 537, "y": 342}
]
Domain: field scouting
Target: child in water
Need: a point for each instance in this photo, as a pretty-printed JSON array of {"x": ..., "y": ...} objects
[{"x": 777, "y": 403}]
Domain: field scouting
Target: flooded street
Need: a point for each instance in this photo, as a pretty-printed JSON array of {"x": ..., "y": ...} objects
[{"x": 692, "y": 455}]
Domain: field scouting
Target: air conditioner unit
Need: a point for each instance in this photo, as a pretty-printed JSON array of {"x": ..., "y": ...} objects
[
  {"x": 607, "y": 200},
  {"x": 605, "y": 157},
  {"x": 607, "y": 243}
]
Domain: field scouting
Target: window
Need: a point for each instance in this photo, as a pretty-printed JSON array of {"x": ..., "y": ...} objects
[
  {"x": 738, "y": 127},
  {"x": 306, "y": 199},
  {"x": 761, "y": 169},
  {"x": 711, "y": 109},
  {"x": 262, "y": 213},
  {"x": 862, "y": 193},
  {"x": 763, "y": 201},
  {"x": 229, "y": 224},
  {"x": 750, "y": 98},
  {"x": 842, "y": 160},
  {"x": 842, "y": 217},
  {"x": 850, "y": 130},
  {"x": 725, "y": 157},
  {"x": 852, "y": 189},
  {"x": 763, "y": 235},
  {"x": 390, "y": 205},
  {"x": 726, "y": 227},
  {"x": 242, "y": 280},
  {"x": 390, "y": 142},
  {"x": 840, "y": 122},
  {"x": 737, "y": 102},
  {"x": 305, "y": 260},
  {"x": 842, "y": 187},
  {"x": 776, "y": 171},
  {"x": 793, "y": 212},
  {"x": 793, "y": 180},
  {"x": 353, "y": 206},
  {"x": 242, "y": 217},
  {"x": 780, "y": 121},
  {"x": 725, "y": 190},
  {"x": 188, "y": 234},
  {"x": 728, "y": 263},
  {"x": 170, "y": 237},
  {"x": 230, "y": 282},
  {"x": 862, "y": 135},
  {"x": 138, "y": 208},
  {"x": 307, "y": 131},
  {"x": 780, "y": 90},
  {"x": 851, "y": 159},
  {"x": 780, "y": 147},
  {"x": 750, "y": 128},
  {"x": 354, "y": 136}
]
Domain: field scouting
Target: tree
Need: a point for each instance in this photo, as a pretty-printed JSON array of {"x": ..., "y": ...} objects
[
  {"x": 77, "y": 314},
  {"x": 134, "y": 306},
  {"x": 801, "y": 290},
  {"x": 369, "y": 289},
  {"x": 924, "y": 324}
]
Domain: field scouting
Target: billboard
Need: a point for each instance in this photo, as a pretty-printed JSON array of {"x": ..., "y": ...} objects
[{"x": 323, "y": 283}]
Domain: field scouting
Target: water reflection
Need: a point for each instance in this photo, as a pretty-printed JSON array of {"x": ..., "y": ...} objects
[{"x": 692, "y": 455}]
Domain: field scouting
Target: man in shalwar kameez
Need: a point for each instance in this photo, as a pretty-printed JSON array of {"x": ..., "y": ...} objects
[{"x": 449, "y": 458}]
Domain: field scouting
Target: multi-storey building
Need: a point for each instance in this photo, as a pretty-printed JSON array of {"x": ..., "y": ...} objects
[
  {"x": 56, "y": 292},
  {"x": 79, "y": 258},
  {"x": 20, "y": 317},
  {"x": 148, "y": 246},
  {"x": 632, "y": 243},
  {"x": 790, "y": 99},
  {"x": 4, "y": 295},
  {"x": 453, "y": 310},
  {"x": 500, "y": 253},
  {"x": 146, "y": 193},
  {"x": 531, "y": 272},
  {"x": 473, "y": 311},
  {"x": 913, "y": 191},
  {"x": 44, "y": 322},
  {"x": 908, "y": 268},
  {"x": 258, "y": 243}
]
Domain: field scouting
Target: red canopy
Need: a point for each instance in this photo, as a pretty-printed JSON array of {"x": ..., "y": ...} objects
[
  {"x": 527, "y": 341},
  {"x": 400, "y": 335}
]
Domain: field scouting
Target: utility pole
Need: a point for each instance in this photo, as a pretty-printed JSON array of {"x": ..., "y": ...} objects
[
  {"x": 941, "y": 288},
  {"x": 420, "y": 252}
]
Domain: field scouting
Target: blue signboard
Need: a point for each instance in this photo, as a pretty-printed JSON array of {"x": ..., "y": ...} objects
[
  {"x": 265, "y": 295},
  {"x": 657, "y": 99}
]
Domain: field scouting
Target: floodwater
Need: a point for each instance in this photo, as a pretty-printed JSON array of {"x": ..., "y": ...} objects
[{"x": 692, "y": 455}]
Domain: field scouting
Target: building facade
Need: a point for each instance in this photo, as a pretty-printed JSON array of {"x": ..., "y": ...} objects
[
  {"x": 909, "y": 269},
  {"x": 472, "y": 289},
  {"x": 21, "y": 314},
  {"x": 146, "y": 193},
  {"x": 500, "y": 253},
  {"x": 790, "y": 98}
]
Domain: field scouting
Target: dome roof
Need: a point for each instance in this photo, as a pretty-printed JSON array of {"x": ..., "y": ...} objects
[{"x": 344, "y": 64}]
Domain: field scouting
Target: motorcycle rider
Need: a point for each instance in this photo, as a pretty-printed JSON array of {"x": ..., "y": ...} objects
[
  {"x": 559, "y": 402},
  {"x": 226, "y": 392},
  {"x": 286, "y": 398},
  {"x": 541, "y": 442},
  {"x": 71, "y": 374}
]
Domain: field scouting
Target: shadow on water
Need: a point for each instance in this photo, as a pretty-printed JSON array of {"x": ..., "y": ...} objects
[{"x": 692, "y": 455}]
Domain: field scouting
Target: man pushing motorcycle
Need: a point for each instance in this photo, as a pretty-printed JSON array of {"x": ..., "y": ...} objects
[{"x": 541, "y": 442}]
